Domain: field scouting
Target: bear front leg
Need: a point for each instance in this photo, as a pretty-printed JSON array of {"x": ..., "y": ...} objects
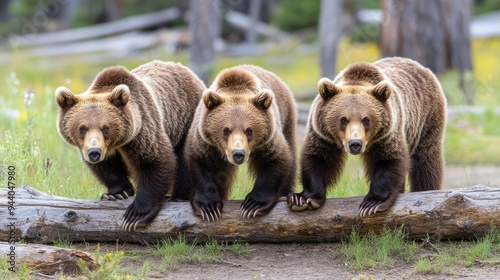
[
  {"x": 152, "y": 185},
  {"x": 265, "y": 192},
  {"x": 211, "y": 180},
  {"x": 387, "y": 179},
  {"x": 113, "y": 173},
  {"x": 321, "y": 166}
]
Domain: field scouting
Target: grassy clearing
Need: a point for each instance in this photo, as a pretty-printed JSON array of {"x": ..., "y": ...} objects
[{"x": 43, "y": 160}]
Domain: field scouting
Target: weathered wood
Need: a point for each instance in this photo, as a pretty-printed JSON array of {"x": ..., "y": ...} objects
[
  {"x": 48, "y": 260},
  {"x": 98, "y": 30},
  {"x": 448, "y": 214}
]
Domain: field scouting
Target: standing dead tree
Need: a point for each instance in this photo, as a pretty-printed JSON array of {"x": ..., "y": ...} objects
[
  {"x": 434, "y": 33},
  {"x": 204, "y": 25},
  {"x": 330, "y": 30}
]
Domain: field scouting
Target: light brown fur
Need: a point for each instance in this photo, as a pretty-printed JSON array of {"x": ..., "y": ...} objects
[
  {"x": 393, "y": 113},
  {"x": 247, "y": 114},
  {"x": 137, "y": 122}
]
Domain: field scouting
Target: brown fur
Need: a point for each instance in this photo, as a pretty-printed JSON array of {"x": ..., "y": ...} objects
[
  {"x": 247, "y": 114},
  {"x": 134, "y": 123},
  {"x": 393, "y": 113}
]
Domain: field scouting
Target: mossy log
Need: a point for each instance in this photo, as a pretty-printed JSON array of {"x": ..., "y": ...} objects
[{"x": 442, "y": 214}]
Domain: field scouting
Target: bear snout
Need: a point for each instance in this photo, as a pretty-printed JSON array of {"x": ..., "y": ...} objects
[
  {"x": 355, "y": 146},
  {"x": 94, "y": 154},
  {"x": 238, "y": 156}
]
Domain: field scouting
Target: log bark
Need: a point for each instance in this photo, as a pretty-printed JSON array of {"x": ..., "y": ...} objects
[
  {"x": 444, "y": 214},
  {"x": 48, "y": 260}
]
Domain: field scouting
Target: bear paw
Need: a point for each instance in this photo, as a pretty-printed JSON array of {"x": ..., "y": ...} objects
[
  {"x": 253, "y": 207},
  {"x": 297, "y": 202},
  {"x": 368, "y": 206},
  {"x": 115, "y": 196},
  {"x": 136, "y": 217},
  {"x": 209, "y": 211}
]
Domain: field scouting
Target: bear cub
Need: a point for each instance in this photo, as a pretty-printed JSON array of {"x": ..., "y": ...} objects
[
  {"x": 134, "y": 123},
  {"x": 393, "y": 113},
  {"x": 248, "y": 114}
]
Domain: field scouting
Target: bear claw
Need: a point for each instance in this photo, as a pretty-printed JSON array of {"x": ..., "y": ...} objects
[
  {"x": 113, "y": 197},
  {"x": 371, "y": 207},
  {"x": 296, "y": 202}
]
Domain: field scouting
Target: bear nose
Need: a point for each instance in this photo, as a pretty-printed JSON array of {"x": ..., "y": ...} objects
[
  {"x": 355, "y": 146},
  {"x": 238, "y": 156},
  {"x": 94, "y": 154}
]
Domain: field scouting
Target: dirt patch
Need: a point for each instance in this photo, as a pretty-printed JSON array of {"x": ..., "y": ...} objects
[{"x": 289, "y": 261}]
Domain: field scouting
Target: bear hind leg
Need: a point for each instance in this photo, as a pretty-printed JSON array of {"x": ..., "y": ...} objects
[
  {"x": 427, "y": 168},
  {"x": 181, "y": 186}
]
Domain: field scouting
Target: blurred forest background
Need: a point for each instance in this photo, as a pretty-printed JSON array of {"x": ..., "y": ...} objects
[{"x": 48, "y": 43}]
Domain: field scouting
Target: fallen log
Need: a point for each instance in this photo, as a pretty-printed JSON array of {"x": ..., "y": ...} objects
[
  {"x": 48, "y": 260},
  {"x": 443, "y": 214}
]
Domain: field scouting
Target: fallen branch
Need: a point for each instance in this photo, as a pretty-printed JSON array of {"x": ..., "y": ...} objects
[
  {"x": 49, "y": 260},
  {"x": 443, "y": 214}
]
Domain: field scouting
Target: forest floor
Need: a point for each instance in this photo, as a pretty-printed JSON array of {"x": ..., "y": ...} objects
[{"x": 314, "y": 260}]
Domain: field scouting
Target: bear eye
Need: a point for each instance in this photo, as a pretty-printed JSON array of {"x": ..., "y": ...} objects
[
  {"x": 226, "y": 131},
  {"x": 83, "y": 130},
  {"x": 343, "y": 121},
  {"x": 105, "y": 130},
  {"x": 249, "y": 132},
  {"x": 366, "y": 121}
]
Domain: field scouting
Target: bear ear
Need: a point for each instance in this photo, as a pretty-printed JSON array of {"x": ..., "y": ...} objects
[
  {"x": 120, "y": 95},
  {"x": 382, "y": 91},
  {"x": 327, "y": 88},
  {"x": 211, "y": 99},
  {"x": 263, "y": 99},
  {"x": 65, "y": 98}
]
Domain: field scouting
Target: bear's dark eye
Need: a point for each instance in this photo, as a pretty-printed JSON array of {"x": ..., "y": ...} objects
[
  {"x": 105, "y": 130},
  {"x": 249, "y": 132},
  {"x": 343, "y": 121},
  {"x": 83, "y": 130},
  {"x": 226, "y": 131},
  {"x": 366, "y": 121}
]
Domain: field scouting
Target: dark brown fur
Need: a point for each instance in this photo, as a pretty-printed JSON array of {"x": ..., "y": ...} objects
[
  {"x": 134, "y": 123},
  {"x": 247, "y": 114},
  {"x": 393, "y": 113}
]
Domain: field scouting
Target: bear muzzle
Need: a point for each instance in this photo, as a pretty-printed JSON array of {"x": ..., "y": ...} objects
[
  {"x": 355, "y": 146},
  {"x": 94, "y": 154}
]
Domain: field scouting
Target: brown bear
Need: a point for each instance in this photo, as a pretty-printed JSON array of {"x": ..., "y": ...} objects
[
  {"x": 134, "y": 123},
  {"x": 248, "y": 114},
  {"x": 393, "y": 113}
]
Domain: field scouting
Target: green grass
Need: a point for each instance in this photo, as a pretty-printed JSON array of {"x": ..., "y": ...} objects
[
  {"x": 174, "y": 251},
  {"x": 483, "y": 251},
  {"x": 377, "y": 250}
]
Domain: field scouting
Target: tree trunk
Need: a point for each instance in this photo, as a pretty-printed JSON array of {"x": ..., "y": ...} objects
[
  {"x": 205, "y": 27},
  {"x": 251, "y": 32},
  {"x": 446, "y": 214},
  {"x": 434, "y": 33},
  {"x": 5, "y": 10},
  {"x": 330, "y": 30},
  {"x": 48, "y": 260}
]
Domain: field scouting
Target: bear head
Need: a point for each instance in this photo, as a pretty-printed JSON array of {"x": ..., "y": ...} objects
[
  {"x": 352, "y": 113},
  {"x": 94, "y": 122},
  {"x": 238, "y": 115}
]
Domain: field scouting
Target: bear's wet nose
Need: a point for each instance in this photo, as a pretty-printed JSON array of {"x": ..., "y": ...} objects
[
  {"x": 238, "y": 156},
  {"x": 94, "y": 154},
  {"x": 355, "y": 146}
]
